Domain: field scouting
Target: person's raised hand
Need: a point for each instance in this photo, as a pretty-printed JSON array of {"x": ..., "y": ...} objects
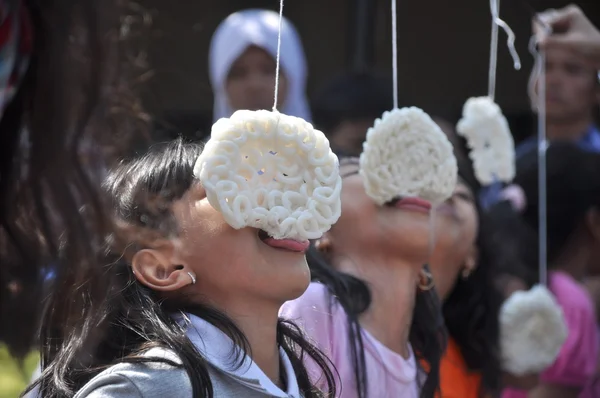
[{"x": 570, "y": 28}]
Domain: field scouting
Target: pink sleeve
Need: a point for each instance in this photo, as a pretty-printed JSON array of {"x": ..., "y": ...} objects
[
  {"x": 312, "y": 313},
  {"x": 576, "y": 362}
]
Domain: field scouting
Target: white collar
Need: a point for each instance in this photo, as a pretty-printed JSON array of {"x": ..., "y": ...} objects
[{"x": 218, "y": 348}]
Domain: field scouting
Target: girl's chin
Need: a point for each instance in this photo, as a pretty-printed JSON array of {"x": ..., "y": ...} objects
[{"x": 293, "y": 282}]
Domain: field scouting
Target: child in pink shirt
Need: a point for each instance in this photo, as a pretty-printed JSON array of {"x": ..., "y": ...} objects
[
  {"x": 374, "y": 312},
  {"x": 576, "y": 363},
  {"x": 325, "y": 321},
  {"x": 572, "y": 201}
]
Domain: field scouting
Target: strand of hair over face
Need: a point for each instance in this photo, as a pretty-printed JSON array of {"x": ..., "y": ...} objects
[
  {"x": 538, "y": 78},
  {"x": 510, "y": 42},
  {"x": 277, "y": 58}
]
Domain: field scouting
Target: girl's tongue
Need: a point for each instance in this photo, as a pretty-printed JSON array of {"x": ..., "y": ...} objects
[{"x": 287, "y": 244}]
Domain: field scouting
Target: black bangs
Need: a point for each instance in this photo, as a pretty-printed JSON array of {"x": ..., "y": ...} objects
[{"x": 466, "y": 172}]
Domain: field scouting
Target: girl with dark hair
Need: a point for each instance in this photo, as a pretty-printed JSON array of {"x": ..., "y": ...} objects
[
  {"x": 190, "y": 308},
  {"x": 371, "y": 307},
  {"x": 573, "y": 241},
  {"x": 461, "y": 264},
  {"x": 63, "y": 85}
]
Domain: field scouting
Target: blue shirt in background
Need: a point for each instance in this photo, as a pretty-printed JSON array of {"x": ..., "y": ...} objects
[{"x": 590, "y": 141}]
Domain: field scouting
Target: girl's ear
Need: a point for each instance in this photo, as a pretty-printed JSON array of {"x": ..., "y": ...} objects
[
  {"x": 324, "y": 244},
  {"x": 471, "y": 261},
  {"x": 153, "y": 268}
]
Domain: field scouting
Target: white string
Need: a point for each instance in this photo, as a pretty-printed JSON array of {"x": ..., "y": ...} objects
[
  {"x": 432, "y": 231},
  {"x": 395, "y": 53},
  {"x": 539, "y": 77},
  {"x": 510, "y": 42},
  {"x": 494, "y": 6},
  {"x": 277, "y": 57},
  {"x": 534, "y": 74},
  {"x": 542, "y": 146}
]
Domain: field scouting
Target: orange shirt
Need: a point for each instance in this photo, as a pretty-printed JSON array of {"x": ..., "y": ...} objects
[{"x": 456, "y": 381}]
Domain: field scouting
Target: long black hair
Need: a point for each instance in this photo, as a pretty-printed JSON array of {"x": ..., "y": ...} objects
[
  {"x": 471, "y": 310},
  {"x": 76, "y": 90},
  {"x": 131, "y": 318},
  {"x": 427, "y": 333},
  {"x": 573, "y": 188}
]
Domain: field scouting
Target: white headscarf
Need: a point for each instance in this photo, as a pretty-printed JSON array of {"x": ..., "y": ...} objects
[{"x": 259, "y": 28}]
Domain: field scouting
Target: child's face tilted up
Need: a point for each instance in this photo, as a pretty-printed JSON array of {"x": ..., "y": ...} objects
[
  {"x": 222, "y": 260},
  {"x": 231, "y": 221}
]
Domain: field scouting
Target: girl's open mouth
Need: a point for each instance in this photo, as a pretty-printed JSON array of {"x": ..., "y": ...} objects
[
  {"x": 283, "y": 244},
  {"x": 411, "y": 204}
]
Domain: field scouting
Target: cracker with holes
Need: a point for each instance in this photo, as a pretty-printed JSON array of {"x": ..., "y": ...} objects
[
  {"x": 273, "y": 172},
  {"x": 407, "y": 155},
  {"x": 533, "y": 330},
  {"x": 488, "y": 136}
]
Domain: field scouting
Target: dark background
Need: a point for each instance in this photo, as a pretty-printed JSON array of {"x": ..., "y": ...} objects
[{"x": 443, "y": 52}]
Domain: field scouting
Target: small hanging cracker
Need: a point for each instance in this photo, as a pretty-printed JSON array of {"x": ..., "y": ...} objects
[
  {"x": 489, "y": 139},
  {"x": 406, "y": 154},
  {"x": 271, "y": 171},
  {"x": 532, "y": 331}
]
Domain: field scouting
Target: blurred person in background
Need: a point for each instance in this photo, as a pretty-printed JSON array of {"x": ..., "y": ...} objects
[
  {"x": 242, "y": 65},
  {"x": 573, "y": 247},
  {"x": 67, "y": 109},
  {"x": 572, "y": 78},
  {"x": 347, "y": 106},
  {"x": 64, "y": 89},
  {"x": 576, "y": 32},
  {"x": 572, "y": 85},
  {"x": 572, "y": 100}
]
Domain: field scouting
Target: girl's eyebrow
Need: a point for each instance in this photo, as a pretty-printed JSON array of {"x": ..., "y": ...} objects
[
  {"x": 348, "y": 174},
  {"x": 349, "y": 161}
]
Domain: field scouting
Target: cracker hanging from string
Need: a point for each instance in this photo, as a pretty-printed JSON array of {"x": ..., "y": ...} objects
[
  {"x": 492, "y": 148},
  {"x": 271, "y": 171},
  {"x": 406, "y": 154},
  {"x": 532, "y": 324},
  {"x": 532, "y": 331}
]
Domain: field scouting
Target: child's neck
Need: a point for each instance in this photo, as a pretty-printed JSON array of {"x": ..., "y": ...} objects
[
  {"x": 260, "y": 329},
  {"x": 393, "y": 286}
]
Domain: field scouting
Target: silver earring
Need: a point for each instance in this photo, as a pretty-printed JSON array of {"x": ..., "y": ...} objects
[{"x": 192, "y": 277}]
